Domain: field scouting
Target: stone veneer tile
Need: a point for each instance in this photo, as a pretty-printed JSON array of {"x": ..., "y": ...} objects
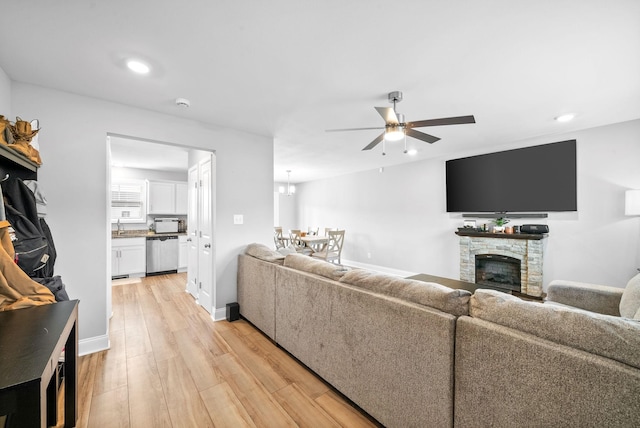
[{"x": 528, "y": 251}]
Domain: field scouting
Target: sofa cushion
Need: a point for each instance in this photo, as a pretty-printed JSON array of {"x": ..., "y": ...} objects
[
  {"x": 630, "y": 300},
  {"x": 315, "y": 266},
  {"x": 455, "y": 302},
  {"x": 605, "y": 335},
  {"x": 262, "y": 252}
]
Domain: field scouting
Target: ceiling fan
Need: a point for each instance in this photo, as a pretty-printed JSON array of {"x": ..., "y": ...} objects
[{"x": 396, "y": 128}]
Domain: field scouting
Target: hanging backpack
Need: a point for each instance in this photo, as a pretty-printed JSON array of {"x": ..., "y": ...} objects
[{"x": 30, "y": 244}]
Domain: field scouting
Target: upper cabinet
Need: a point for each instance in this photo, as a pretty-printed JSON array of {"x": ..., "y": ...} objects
[
  {"x": 182, "y": 199},
  {"x": 167, "y": 197}
]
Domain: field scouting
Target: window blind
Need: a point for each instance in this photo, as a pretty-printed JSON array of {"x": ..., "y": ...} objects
[{"x": 127, "y": 201}]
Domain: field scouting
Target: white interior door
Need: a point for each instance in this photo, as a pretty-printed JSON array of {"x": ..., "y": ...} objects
[
  {"x": 192, "y": 228},
  {"x": 205, "y": 235}
]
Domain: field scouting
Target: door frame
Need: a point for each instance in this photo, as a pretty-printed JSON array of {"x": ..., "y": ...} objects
[{"x": 191, "y": 149}]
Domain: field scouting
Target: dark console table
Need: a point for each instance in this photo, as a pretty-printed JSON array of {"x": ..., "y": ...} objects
[
  {"x": 31, "y": 343},
  {"x": 451, "y": 283},
  {"x": 464, "y": 285}
]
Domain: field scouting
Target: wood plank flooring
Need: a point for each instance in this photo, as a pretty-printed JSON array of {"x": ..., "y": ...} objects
[{"x": 170, "y": 365}]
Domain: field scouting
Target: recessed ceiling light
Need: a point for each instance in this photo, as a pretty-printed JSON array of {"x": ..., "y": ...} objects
[
  {"x": 183, "y": 102},
  {"x": 138, "y": 66},
  {"x": 412, "y": 152},
  {"x": 565, "y": 117}
]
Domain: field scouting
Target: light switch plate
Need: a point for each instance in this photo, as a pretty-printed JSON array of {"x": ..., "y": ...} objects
[{"x": 238, "y": 219}]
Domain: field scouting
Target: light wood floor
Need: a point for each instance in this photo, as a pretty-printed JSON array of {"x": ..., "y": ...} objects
[{"x": 170, "y": 365}]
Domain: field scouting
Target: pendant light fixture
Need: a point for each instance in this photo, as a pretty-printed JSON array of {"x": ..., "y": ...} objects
[{"x": 291, "y": 189}]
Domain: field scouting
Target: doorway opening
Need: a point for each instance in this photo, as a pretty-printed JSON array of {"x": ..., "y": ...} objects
[{"x": 162, "y": 171}]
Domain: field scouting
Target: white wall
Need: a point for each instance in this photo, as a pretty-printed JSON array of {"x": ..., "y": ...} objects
[
  {"x": 5, "y": 96},
  {"x": 287, "y": 210},
  {"x": 399, "y": 219},
  {"x": 74, "y": 176},
  {"x": 148, "y": 174}
]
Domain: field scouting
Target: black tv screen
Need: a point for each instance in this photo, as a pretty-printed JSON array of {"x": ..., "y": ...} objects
[{"x": 532, "y": 179}]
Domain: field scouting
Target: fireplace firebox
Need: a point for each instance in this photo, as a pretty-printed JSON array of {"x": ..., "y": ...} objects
[{"x": 498, "y": 272}]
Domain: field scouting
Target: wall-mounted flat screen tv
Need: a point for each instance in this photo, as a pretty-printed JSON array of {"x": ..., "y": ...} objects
[{"x": 531, "y": 179}]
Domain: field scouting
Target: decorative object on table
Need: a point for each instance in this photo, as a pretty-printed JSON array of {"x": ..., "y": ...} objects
[
  {"x": 534, "y": 228},
  {"x": 469, "y": 224},
  {"x": 396, "y": 129},
  {"x": 22, "y": 135},
  {"x": 500, "y": 223}
]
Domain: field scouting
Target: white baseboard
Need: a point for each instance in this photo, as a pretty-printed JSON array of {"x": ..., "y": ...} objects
[
  {"x": 380, "y": 269},
  {"x": 93, "y": 344},
  {"x": 219, "y": 314}
]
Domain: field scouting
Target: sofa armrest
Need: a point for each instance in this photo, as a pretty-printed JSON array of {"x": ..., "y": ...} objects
[{"x": 602, "y": 299}]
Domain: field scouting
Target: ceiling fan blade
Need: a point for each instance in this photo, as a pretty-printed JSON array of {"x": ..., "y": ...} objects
[
  {"x": 388, "y": 115},
  {"x": 352, "y": 129},
  {"x": 375, "y": 142},
  {"x": 421, "y": 136},
  {"x": 459, "y": 120}
]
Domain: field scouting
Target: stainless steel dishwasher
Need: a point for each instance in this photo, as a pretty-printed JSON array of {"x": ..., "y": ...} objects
[{"x": 162, "y": 254}]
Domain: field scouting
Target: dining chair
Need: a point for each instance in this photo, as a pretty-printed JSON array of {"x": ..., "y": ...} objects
[
  {"x": 333, "y": 250},
  {"x": 278, "y": 239},
  {"x": 298, "y": 244}
]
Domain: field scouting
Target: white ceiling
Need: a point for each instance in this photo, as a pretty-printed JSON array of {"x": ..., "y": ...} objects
[{"x": 290, "y": 69}]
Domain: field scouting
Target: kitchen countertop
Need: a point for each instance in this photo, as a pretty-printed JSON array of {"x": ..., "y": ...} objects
[{"x": 141, "y": 234}]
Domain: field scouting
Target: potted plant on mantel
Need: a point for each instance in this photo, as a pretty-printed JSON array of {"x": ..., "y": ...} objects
[{"x": 499, "y": 224}]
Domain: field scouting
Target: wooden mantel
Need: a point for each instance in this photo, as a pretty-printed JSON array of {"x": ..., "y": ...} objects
[{"x": 529, "y": 236}]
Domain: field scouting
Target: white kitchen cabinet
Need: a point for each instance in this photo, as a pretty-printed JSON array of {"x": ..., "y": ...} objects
[
  {"x": 128, "y": 256},
  {"x": 182, "y": 198},
  {"x": 167, "y": 197},
  {"x": 182, "y": 253}
]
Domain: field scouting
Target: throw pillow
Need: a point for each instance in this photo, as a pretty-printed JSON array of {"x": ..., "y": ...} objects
[{"x": 630, "y": 300}]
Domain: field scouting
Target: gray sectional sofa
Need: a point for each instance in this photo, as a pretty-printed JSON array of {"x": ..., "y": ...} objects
[{"x": 416, "y": 354}]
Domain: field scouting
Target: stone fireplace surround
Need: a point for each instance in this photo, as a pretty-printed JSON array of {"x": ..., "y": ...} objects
[{"x": 527, "y": 248}]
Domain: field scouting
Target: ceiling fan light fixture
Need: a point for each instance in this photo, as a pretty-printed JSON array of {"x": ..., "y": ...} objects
[{"x": 395, "y": 133}]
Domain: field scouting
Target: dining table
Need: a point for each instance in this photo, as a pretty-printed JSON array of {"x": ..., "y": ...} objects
[{"x": 315, "y": 242}]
